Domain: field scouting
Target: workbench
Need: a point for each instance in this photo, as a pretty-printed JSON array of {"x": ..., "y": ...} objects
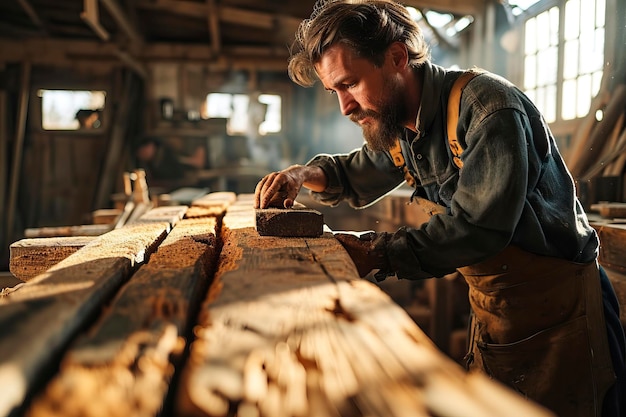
[{"x": 189, "y": 312}]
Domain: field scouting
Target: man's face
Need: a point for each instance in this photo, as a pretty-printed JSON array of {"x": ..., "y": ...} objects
[{"x": 370, "y": 96}]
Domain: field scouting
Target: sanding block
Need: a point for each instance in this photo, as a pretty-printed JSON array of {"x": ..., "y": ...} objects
[{"x": 292, "y": 222}]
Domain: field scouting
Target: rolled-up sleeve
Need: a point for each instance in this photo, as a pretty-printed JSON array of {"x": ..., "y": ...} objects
[{"x": 360, "y": 177}]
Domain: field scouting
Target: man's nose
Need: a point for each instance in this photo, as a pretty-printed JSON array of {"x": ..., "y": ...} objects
[{"x": 347, "y": 104}]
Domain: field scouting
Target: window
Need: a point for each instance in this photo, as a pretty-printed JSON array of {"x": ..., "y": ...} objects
[
  {"x": 563, "y": 88},
  {"x": 583, "y": 55},
  {"x": 71, "y": 109},
  {"x": 244, "y": 112}
]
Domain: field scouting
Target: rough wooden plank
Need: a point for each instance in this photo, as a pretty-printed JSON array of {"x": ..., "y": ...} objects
[
  {"x": 66, "y": 231},
  {"x": 137, "y": 211},
  {"x": 211, "y": 205},
  {"x": 105, "y": 216},
  {"x": 170, "y": 214},
  {"x": 610, "y": 210},
  {"x": 131, "y": 353},
  {"x": 40, "y": 317},
  {"x": 195, "y": 212},
  {"x": 216, "y": 199},
  {"x": 31, "y": 257},
  {"x": 288, "y": 329},
  {"x": 294, "y": 222}
]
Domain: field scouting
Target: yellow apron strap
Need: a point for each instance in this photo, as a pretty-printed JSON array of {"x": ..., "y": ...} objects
[
  {"x": 398, "y": 160},
  {"x": 454, "y": 103}
]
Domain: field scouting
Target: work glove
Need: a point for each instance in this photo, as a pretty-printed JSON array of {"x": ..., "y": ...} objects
[{"x": 368, "y": 250}]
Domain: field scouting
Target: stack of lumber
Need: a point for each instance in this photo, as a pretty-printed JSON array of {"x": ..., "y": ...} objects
[
  {"x": 31, "y": 257},
  {"x": 137, "y": 203},
  {"x": 201, "y": 316}
]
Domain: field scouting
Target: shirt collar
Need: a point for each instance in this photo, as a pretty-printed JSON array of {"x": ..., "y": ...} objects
[{"x": 430, "y": 103}]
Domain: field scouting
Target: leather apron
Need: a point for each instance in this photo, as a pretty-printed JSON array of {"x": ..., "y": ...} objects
[{"x": 538, "y": 326}]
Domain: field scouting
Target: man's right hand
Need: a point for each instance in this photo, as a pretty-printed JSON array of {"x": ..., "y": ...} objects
[{"x": 280, "y": 189}]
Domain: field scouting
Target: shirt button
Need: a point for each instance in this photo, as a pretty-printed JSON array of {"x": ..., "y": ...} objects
[{"x": 419, "y": 156}]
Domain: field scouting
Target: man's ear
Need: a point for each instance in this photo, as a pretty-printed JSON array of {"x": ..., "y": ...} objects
[{"x": 399, "y": 55}]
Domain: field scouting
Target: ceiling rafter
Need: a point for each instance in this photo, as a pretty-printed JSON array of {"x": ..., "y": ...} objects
[
  {"x": 69, "y": 52},
  {"x": 124, "y": 22},
  {"x": 33, "y": 15},
  {"x": 91, "y": 16},
  {"x": 214, "y": 27},
  {"x": 226, "y": 14},
  {"x": 465, "y": 7}
]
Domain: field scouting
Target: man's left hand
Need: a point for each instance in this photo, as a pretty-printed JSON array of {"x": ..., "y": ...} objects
[{"x": 367, "y": 250}]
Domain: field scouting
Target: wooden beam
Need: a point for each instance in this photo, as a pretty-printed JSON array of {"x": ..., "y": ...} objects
[
  {"x": 31, "y": 257},
  {"x": 473, "y": 7},
  {"x": 115, "y": 147},
  {"x": 124, "y": 23},
  {"x": 4, "y": 164},
  {"x": 18, "y": 148},
  {"x": 214, "y": 27},
  {"x": 66, "y": 231},
  {"x": 132, "y": 351},
  {"x": 228, "y": 14},
  {"x": 94, "y": 53},
  {"x": 44, "y": 314},
  {"x": 91, "y": 16},
  {"x": 181, "y": 7},
  {"x": 133, "y": 63},
  {"x": 247, "y": 17},
  {"x": 444, "y": 40},
  {"x": 289, "y": 329},
  {"x": 32, "y": 13}
]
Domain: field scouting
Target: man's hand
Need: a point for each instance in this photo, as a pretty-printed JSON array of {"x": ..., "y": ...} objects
[
  {"x": 280, "y": 189},
  {"x": 367, "y": 250}
]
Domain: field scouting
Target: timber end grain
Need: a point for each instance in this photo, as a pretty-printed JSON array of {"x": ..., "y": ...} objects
[{"x": 300, "y": 222}]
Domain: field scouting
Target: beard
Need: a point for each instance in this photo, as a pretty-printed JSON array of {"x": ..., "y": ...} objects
[{"x": 386, "y": 126}]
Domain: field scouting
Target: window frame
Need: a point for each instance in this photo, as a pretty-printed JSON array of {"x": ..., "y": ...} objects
[
  {"x": 561, "y": 125},
  {"x": 37, "y": 99},
  {"x": 249, "y": 96}
]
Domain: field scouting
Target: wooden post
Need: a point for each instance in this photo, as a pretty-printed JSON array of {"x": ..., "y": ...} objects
[
  {"x": 116, "y": 144},
  {"x": 18, "y": 148},
  {"x": 4, "y": 163}
]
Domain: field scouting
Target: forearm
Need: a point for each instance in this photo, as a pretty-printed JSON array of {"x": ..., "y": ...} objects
[
  {"x": 360, "y": 177},
  {"x": 315, "y": 178}
]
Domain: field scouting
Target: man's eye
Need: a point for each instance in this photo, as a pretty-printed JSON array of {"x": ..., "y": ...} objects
[
  {"x": 350, "y": 85},
  {"x": 331, "y": 92}
]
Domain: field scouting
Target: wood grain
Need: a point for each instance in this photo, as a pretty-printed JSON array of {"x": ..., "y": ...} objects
[
  {"x": 30, "y": 257},
  {"x": 40, "y": 317},
  {"x": 124, "y": 364},
  {"x": 288, "y": 329}
]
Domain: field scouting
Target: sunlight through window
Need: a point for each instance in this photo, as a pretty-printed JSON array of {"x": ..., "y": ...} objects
[{"x": 71, "y": 109}]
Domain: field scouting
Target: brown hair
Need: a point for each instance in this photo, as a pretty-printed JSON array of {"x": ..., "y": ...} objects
[{"x": 368, "y": 27}]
